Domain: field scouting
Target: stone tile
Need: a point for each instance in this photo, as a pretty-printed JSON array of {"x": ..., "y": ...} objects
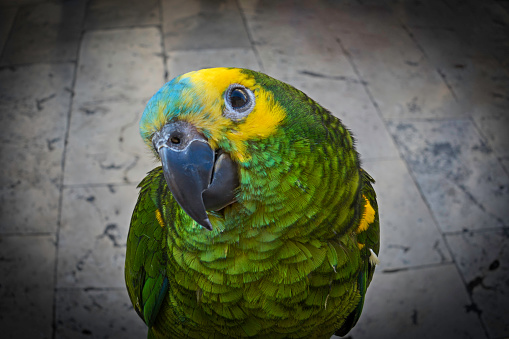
[
  {"x": 348, "y": 100},
  {"x": 504, "y": 4},
  {"x": 420, "y": 303},
  {"x": 180, "y": 62},
  {"x": 471, "y": 14},
  {"x": 201, "y": 24},
  {"x": 399, "y": 303},
  {"x": 118, "y": 73},
  {"x": 495, "y": 130},
  {"x": 27, "y": 267},
  {"x": 431, "y": 14},
  {"x": 7, "y": 15},
  {"x": 114, "y": 62},
  {"x": 292, "y": 41},
  {"x": 116, "y": 13},
  {"x": 365, "y": 17},
  {"x": 45, "y": 32},
  {"x": 409, "y": 235},
  {"x": 34, "y": 104},
  {"x": 480, "y": 85},
  {"x": 93, "y": 233},
  {"x": 444, "y": 46},
  {"x": 457, "y": 172},
  {"x": 468, "y": 42},
  {"x": 476, "y": 77},
  {"x": 480, "y": 26},
  {"x": 483, "y": 260},
  {"x": 97, "y": 314},
  {"x": 399, "y": 76}
]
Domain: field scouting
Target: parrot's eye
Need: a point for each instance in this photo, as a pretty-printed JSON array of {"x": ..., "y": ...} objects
[
  {"x": 238, "y": 98},
  {"x": 175, "y": 140},
  {"x": 239, "y": 102}
]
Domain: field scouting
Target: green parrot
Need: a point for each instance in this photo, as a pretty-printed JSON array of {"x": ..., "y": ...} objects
[{"x": 259, "y": 222}]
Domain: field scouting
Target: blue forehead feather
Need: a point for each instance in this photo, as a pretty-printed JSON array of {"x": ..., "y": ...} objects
[{"x": 168, "y": 101}]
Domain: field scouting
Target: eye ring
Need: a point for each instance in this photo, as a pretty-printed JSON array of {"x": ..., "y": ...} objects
[{"x": 239, "y": 102}]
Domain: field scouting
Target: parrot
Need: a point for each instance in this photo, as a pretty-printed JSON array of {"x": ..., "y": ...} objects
[{"x": 258, "y": 221}]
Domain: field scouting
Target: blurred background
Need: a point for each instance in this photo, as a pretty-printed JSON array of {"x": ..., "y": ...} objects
[{"x": 423, "y": 85}]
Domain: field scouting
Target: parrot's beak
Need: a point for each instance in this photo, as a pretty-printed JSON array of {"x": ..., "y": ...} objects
[{"x": 199, "y": 178}]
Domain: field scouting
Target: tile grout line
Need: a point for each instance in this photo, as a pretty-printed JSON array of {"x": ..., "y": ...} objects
[
  {"x": 500, "y": 160},
  {"x": 197, "y": 49},
  {"x": 477, "y": 231},
  {"x": 86, "y": 289},
  {"x": 417, "y": 267},
  {"x": 163, "y": 45},
  {"x": 100, "y": 184},
  {"x": 361, "y": 80},
  {"x": 429, "y": 119},
  {"x": 440, "y": 72},
  {"x": 250, "y": 36},
  {"x": 62, "y": 186},
  {"x": 344, "y": 78},
  {"x": 9, "y": 35},
  {"x": 435, "y": 221},
  {"x": 120, "y": 27}
]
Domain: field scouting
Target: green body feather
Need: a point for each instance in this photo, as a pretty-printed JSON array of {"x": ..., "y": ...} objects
[{"x": 284, "y": 261}]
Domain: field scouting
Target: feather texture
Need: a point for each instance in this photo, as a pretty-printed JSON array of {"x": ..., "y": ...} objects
[{"x": 291, "y": 257}]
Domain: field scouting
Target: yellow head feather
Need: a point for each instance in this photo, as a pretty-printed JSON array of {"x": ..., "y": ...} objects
[{"x": 198, "y": 97}]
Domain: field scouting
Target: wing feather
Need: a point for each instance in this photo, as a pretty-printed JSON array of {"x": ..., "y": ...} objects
[
  {"x": 145, "y": 265},
  {"x": 368, "y": 238}
]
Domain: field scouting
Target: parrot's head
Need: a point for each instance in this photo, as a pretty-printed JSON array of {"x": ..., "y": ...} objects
[{"x": 210, "y": 127}]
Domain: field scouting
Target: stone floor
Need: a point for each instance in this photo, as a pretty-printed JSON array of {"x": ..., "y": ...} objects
[{"x": 424, "y": 85}]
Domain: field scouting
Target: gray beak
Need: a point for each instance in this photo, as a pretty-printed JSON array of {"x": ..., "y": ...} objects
[{"x": 198, "y": 178}]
